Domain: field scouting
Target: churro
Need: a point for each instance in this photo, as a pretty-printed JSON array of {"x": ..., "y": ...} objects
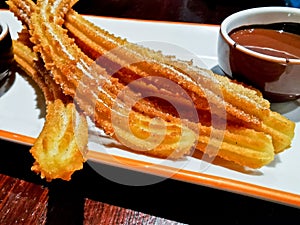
[
  {"x": 114, "y": 91},
  {"x": 244, "y": 105},
  {"x": 60, "y": 148}
]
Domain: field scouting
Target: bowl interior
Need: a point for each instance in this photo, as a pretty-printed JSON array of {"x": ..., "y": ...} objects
[
  {"x": 263, "y": 15},
  {"x": 255, "y": 16}
]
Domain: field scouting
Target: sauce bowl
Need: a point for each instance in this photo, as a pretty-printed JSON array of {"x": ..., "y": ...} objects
[
  {"x": 278, "y": 78},
  {"x": 6, "y": 51}
]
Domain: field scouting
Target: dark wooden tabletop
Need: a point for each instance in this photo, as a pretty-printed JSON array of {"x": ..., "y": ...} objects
[{"x": 90, "y": 198}]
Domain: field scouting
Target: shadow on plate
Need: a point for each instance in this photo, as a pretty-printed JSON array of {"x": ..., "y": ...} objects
[
  {"x": 229, "y": 165},
  {"x": 217, "y": 69},
  {"x": 109, "y": 143},
  {"x": 40, "y": 99},
  {"x": 289, "y": 109},
  {"x": 7, "y": 82}
]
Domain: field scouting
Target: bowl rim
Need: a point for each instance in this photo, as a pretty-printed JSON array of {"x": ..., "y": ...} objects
[
  {"x": 252, "y": 11},
  {"x": 4, "y": 31}
]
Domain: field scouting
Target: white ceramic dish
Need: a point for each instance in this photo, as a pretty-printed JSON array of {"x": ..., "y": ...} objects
[{"x": 22, "y": 118}]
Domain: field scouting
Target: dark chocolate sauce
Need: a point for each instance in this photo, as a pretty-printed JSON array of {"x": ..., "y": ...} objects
[{"x": 277, "y": 39}]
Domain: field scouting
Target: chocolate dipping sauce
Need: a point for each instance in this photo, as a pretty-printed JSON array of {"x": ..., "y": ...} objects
[{"x": 278, "y": 39}]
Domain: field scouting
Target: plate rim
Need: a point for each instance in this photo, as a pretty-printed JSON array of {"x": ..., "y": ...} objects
[{"x": 208, "y": 180}]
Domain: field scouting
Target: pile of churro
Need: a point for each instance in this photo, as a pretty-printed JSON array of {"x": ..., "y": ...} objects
[{"x": 153, "y": 104}]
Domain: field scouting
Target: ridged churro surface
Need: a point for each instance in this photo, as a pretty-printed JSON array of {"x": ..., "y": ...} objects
[
  {"x": 133, "y": 93},
  {"x": 60, "y": 148}
]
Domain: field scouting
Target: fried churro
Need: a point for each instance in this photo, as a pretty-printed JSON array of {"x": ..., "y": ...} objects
[
  {"x": 244, "y": 105},
  {"x": 60, "y": 148},
  {"x": 111, "y": 79}
]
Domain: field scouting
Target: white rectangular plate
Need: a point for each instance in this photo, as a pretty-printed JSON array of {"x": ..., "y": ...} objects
[{"x": 22, "y": 117}]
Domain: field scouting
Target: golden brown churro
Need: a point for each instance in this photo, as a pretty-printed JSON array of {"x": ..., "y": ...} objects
[
  {"x": 243, "y": 105},
  {"x": 115, "y": 92},
  {"x": 60, "y": 148}
]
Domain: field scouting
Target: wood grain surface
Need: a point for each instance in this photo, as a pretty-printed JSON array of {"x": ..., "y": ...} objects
[{"x": 22, "y": 202}]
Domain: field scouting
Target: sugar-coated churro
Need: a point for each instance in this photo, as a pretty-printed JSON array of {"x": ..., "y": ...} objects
[
  {"x": 244, "y": 105},
  {"x": 111, "y": 80},
  {"x": 60, "y": 148}
]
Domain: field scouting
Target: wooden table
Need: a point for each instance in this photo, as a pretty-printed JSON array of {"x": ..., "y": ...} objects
[
  {"x": 23, "y": 202},
  {"x": 88, "y": 197},
  {"x": 91, "y": 199}
]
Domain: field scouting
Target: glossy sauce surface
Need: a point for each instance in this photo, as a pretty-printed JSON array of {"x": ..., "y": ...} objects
[{"x": 279, "y": 40}]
